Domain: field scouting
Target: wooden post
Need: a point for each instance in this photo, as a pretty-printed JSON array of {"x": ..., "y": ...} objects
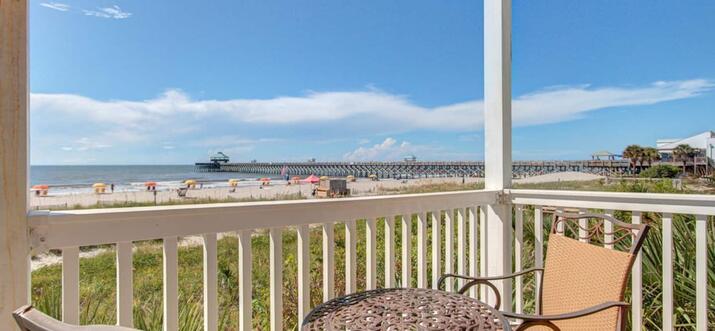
[
  {"x": 497, "y": 142},
  {"x": 14, "y": 242}
]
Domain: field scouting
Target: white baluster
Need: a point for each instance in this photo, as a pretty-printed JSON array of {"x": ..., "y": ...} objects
[
  {"x": 483, "y": 249},
  {"x": 667, "y": 271},
  {"x": 210, "y": 282},
  {"x": 328, "y": 261},
  {"x": 701, "y": 272},
  {"x": 583, "y": 227},
  {"x": 171, "y": 285},
  {"x": 518, "y": 248},
  {"x": 637, "y": 283},
  {"x": 370, "y": 254},
  {"x": 560, "y": 226},
  {"x": 461, "y": 245},
  {"x": 538, "y": 248},
  {"x": 276, "y": 286},
  {"x": 70, "y": 285},
  {"x": 448, "y": 248},
  {"x": 473, "y": 244},
  {"x": 303, "y": 232},
  {"x": 125, "y": 287},
  {"x": 421, "y": 250},
  {"x": 245, "y": 289},
  {"x": 389, "y": 252},
  {"x": 350, "y": 257},
  {"x": 406, "y": 251},
  {"x": 608, "y": 231},
  {"x": 436, "y": 248}
]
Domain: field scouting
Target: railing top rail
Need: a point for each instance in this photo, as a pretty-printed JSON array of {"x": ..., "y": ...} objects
[
  {"x": 56, "y": 229},
  {"x": 645, "y": 202}
]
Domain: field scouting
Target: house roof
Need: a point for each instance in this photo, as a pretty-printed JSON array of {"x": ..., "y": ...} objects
[
  {"x": 699, "y": 141},
  {"x": 604, "y": 153}
]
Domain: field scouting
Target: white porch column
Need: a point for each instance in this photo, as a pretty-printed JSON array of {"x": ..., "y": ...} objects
[
  {"x": 497, "y": 142},
  {"x": 14, "y": 248}
]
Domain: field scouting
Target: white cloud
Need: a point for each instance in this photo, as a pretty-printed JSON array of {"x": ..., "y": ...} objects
[
  {"x": 389, "y": 149},
  {"x": 213, "y": 124},
  {"x": 56, "y": 6},
  {"x": 369, "y": 107},
  {"x": 392, "y": 150},
  {"x": 85, "y": 144},
  {"x": 114, "y": 12}
]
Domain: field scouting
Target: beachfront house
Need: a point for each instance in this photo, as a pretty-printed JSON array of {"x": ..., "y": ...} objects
[
  {"x": 703, "y": 143},
  {"x": 486, "y": 226}
]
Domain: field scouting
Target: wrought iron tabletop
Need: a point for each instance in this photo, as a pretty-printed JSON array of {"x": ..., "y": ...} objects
[{"x": 405, "y": 309}]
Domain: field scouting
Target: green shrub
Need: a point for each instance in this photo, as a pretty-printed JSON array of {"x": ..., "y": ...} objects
[{"x": 660, "y": 171}]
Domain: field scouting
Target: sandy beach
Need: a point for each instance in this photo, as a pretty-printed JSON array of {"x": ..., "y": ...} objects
[{"x": 252, "y": 190}]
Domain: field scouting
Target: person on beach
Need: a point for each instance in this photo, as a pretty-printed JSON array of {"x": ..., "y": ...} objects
[{"x": 111, "y": 187}]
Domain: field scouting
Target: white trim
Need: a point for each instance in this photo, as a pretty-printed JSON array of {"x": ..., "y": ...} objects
[{"x": 650, "y": 202}]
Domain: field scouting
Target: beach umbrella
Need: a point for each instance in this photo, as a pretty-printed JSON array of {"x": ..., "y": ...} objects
[
  {"x": 99, "y": 187},
  {"x": 190, "y": 183},
  {"x": 233, "y": 182},
  {"x": 40, "y": 189},
  {"x": 149, "y": 184},
  {"x": 311, "y": 179}
]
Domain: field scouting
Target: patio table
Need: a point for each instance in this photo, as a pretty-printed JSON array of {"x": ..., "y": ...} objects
[{"x": 405, "y": 309}]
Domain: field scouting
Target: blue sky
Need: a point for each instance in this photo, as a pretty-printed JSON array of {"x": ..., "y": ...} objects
[{"x": 167, "y": 82}]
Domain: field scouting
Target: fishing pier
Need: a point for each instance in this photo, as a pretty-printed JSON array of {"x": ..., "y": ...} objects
[{"x": 414, "y": 169}]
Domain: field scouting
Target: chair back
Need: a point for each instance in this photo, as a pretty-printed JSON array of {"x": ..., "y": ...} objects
[
  {"x": 589, "y": 269},
  {"x": 31, "y": 319}
]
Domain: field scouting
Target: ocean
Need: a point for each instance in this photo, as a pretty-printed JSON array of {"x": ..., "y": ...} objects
[{"x": 79, "y": 179}]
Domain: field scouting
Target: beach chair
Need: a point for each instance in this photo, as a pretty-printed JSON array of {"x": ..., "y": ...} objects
[
  {"x": 182, "y": 192},
  {"x": 31, "y": 319},
  {"x": 582, "y": 285}
]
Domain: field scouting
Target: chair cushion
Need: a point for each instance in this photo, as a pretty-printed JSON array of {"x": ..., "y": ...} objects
[{"x": 579, "y": 275}]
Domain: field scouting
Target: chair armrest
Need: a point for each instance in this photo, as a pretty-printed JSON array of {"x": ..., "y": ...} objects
[
  {"x": 545, "y": 320},
  {"x": 485, "y": 281}
]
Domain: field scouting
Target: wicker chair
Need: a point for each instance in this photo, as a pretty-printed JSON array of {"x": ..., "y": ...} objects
[
  {"x": 31, "y": 319},
  {"x": 582, "y": 285}
]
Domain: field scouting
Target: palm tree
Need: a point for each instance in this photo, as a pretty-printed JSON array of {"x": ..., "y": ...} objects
[
  {"x": 650, "y": 155},
  {"x": 633, "y": 153},
  {"x": 683, "y": 153}
]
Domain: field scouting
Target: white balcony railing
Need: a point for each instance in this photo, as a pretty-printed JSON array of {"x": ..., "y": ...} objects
[{"x": 69, "y": 230}]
